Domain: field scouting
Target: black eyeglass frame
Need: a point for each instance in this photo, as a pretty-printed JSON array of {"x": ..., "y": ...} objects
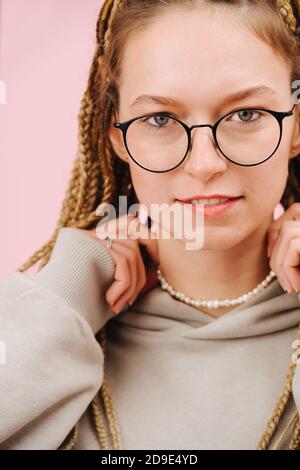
[{"x": 123, "y": 126}]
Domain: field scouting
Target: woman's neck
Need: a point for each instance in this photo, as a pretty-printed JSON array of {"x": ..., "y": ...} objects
[{"x": 209, "y": 274}]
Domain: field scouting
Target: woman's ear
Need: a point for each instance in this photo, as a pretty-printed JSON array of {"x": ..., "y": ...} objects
[
  {"x": 116, "y": 139},
  {"x": 295, "y": 144}
]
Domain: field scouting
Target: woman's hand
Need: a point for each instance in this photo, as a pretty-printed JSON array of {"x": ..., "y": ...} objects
[
  {"x": 284, "y": 248},
  {"x": 131, "y": 279}
]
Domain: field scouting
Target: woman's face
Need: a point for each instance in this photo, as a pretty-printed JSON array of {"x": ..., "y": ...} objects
[{"x": 198, "y": 58}]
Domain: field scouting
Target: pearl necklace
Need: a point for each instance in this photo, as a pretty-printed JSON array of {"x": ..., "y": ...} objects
[{"x": 214, "y": 303}]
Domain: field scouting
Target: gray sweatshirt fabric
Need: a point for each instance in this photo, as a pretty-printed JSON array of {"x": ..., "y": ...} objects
[{"x": 179, "y": 378}]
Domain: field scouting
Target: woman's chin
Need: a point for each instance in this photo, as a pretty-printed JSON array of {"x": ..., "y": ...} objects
[{"x": 213, "y": 239}]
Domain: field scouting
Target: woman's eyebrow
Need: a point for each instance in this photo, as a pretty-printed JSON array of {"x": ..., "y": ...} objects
[{"x": 231, "y": 98}]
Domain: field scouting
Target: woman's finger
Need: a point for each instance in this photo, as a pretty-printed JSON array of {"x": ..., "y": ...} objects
[
  {"x": 151, "y": 281},
  {"x": 128, "y": 268},
  {"x": 291, "y": 263},
  {"x": 287, "y": 232},
  {"x": 122, "y": 277},
  {"x": 127, "y": 234},
  {"x": 292, "y": 213},
  {"x": 139, "y": 279},
  {"x": 142, "y": 278},
  {"x": 148, "y": 239}
]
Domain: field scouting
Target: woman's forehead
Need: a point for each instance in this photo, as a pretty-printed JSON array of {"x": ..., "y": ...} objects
[{"x": 170, "y": 60}]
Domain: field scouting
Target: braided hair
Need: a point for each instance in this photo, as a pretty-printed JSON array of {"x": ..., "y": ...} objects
[{"x": 99, "y": 176}]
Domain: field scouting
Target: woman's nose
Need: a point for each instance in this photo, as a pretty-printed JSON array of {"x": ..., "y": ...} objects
[{"x": 204, "y": 159}]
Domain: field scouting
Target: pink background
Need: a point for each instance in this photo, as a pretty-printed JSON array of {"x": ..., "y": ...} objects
[{"x": 46, "y": 50}]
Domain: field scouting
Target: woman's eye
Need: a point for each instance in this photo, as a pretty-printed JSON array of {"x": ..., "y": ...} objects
[
  {"x": 246, "y": 115},
  {"x": 159, "y": 121}
]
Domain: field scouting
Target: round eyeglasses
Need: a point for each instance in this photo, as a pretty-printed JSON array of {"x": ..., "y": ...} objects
[{"x": 159, "y": 142}]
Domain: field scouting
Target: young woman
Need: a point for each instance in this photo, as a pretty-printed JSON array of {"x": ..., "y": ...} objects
[{"x": 188, "y": 102}]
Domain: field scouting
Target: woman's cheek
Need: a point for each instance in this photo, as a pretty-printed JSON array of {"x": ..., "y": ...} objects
[
  {"x": 149, "y": 187},
  {"x": 271, "y": 181}
]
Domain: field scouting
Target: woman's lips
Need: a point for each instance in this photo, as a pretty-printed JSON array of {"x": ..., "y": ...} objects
[{"x": 212, "y": 210}]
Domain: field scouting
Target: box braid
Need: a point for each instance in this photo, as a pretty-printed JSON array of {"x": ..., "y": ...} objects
[{"x": 99, "y": 176}]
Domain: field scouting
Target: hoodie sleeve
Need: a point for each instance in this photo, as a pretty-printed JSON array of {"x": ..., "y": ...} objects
[{"x": 51, "y": 365}]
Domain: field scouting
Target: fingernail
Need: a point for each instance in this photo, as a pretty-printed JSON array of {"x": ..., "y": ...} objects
[
  {"x": 278, "y": 211},
  {"x": 285, "y": 287},
  {"x": 101, "y": 231},
  {"x": 154, "y": 227},
  {"x": 114, "y": 309},
  {"x": 143, "y": 215},
  {"x": 132, "y": 302},
  {"x": 289, "y": 290}
]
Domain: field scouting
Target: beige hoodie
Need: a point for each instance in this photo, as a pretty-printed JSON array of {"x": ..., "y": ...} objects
[{"x": 179, "y": 378}]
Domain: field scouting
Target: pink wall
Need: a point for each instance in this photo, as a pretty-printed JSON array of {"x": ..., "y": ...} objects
[{"x": 46, "y": 51}]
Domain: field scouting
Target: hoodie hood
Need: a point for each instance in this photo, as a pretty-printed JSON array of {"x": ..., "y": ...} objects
[{"x": 270, "y": 311}]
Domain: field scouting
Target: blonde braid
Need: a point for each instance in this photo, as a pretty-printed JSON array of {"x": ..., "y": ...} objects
[
  {"x": 99, "y": 424},
  {"x": 104, "y": 391},
  {"x": 83, "y": 187},
  {"x": 295, "y": 440},
  {"x": 85, "y": 156},
  {"x": 107, "y": 400},
  {"x": 287, "y": 14},
  {"x": 278, "y": 410},
  {"x": 108, "y": 189},
  {"x": 70, "y": 439}
]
